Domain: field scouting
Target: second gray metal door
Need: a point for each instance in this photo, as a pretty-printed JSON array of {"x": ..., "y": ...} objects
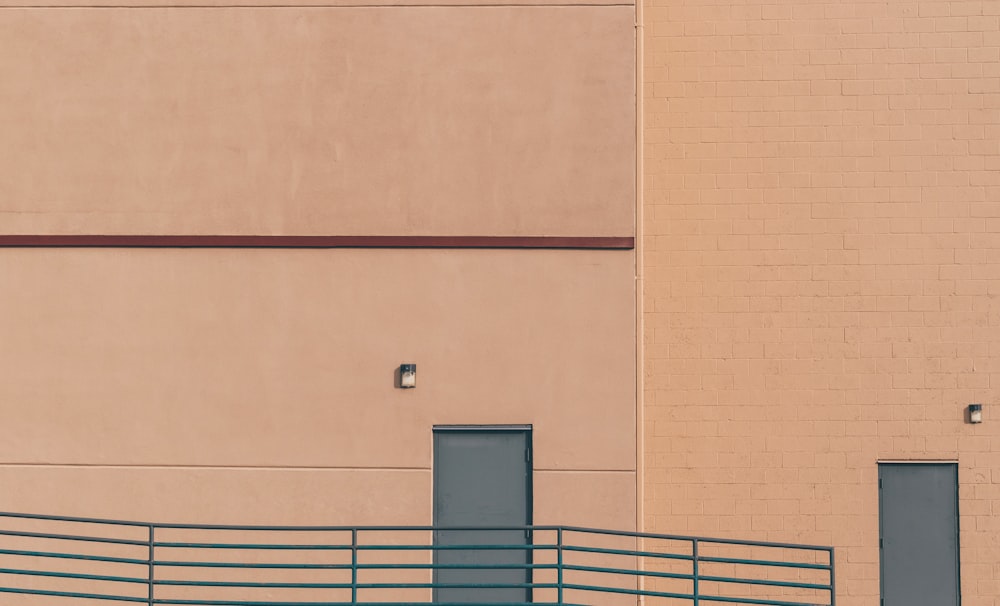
[
  {"x": 918, "y": 525},
  {"x": 482, "y": 478}
]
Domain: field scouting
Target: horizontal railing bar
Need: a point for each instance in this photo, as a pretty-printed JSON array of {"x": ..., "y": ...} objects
[
  {"x": 676, "y": 537},
  {"x": 768, "y": 544},
  {"x": 801, "y": 565},
  {"x": 627, "y": 552},
  {"x": 248, "y": 565},
  {"x": 72, "y": 594},
  {"x": 739, "y": 581},
  {"x": 71, "y": 575},
  {"x": 253, "y": 528},
  {"x": 258, "y": 527},
  {"x": 756, "y": 601},
  {"x": 35, "y": 516},
  {"x": 394, "y": 603},
  {"x": 251, "y": 546},
  {"x": 643, "y": 592},
  {"x": 701, "y": 597},
  {"x": 330, "y": 547},
  {"x": 580, "y": 529},
  {"x": 428, "y": 566},
  {"x": 513, "y": 547},
  {"x": 469, "y": 547},
  {"x": 626, "y": 571},
  {"x": 70, "y": 537},
  {"x": 72, "y": 556},
  {"x": 246, "y": 603},
  {"x": 254, "y": 584},
  {"x": 279, "y": 585},
  {"x": 455, "y": 585},
  {"x": 463, "y": 547},
  {"x": 457, "y": 566}
]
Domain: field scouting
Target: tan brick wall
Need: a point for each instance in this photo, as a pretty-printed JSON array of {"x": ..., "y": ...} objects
[{"x": 822, "y": 269}]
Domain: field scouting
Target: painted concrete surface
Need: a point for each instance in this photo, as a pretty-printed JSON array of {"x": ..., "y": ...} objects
[{"x": 346, "y": 121}]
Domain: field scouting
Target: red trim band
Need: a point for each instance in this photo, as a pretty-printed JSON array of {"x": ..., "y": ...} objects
[{"x": 193, "y": 241}]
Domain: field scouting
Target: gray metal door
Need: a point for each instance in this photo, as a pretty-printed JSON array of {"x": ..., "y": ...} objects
[
  {"x": 482, "y": 478},
  {"x": 918, "y": 534}
]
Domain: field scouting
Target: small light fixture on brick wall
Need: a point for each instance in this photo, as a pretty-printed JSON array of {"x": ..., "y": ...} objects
[
  {"x": 407, "y": 376},
  {"x": 975, "y": 413}
]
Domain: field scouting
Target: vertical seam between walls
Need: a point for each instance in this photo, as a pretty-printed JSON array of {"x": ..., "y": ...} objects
[{"x": 639, "y": 293}]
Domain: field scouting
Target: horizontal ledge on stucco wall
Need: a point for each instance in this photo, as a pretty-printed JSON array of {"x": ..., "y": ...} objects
[
  {"x": 305, "y": 4},
  {"x": 251, "y": 241}
]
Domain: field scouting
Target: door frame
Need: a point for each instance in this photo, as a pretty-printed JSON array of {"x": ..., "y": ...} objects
[{"x": 958, "y": 523}]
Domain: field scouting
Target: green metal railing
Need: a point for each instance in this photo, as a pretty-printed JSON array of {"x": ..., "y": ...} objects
[{"x": 91, "y": 561}]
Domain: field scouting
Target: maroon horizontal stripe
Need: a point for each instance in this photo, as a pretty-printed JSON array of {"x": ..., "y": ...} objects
[{"x": 193, "y": 241}]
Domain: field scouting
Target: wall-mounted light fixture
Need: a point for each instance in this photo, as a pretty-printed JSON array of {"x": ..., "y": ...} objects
[
  {"x": 975, "y": 413},
  {"x": 407, "y": 376}
]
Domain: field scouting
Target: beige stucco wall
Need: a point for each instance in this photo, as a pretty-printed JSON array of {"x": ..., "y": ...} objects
[
  {"x": 431, "y": 120},
  {"x": 822, "y": 260},
  {"x": 234, "y": 386},
  {"x": 256, "y": 386}
]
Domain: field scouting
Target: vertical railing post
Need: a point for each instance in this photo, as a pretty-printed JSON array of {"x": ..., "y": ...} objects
[
  {"x": 559, "y": 566},
  {"x": 833, "y": 579},
  {"x": 354, "y": 565},
  {"x": 694, "y": 576},
  {"x": 151, "y": 562}
]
